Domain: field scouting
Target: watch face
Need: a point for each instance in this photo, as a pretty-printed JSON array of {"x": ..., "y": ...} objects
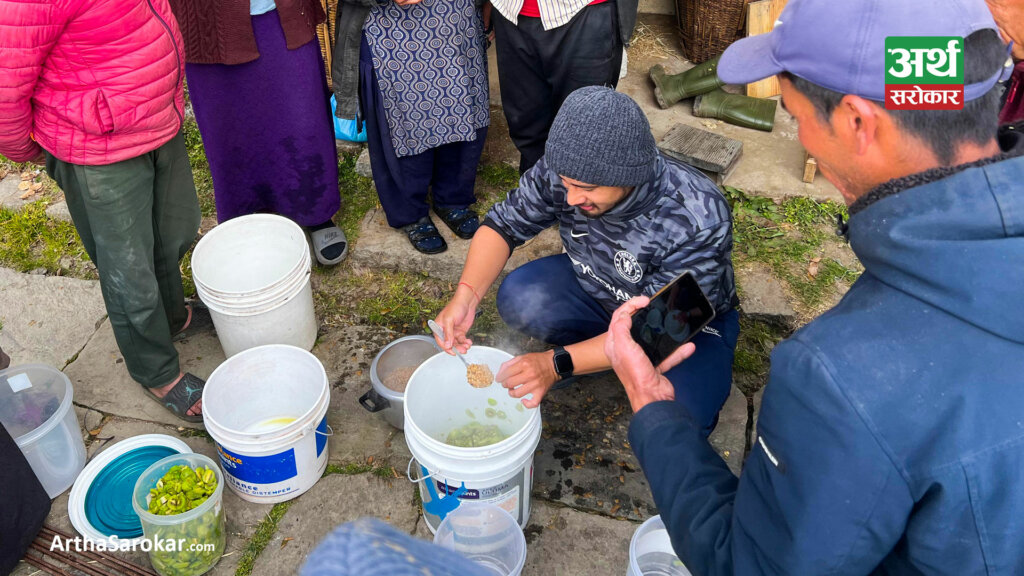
[{"x": 563, "y": 362}]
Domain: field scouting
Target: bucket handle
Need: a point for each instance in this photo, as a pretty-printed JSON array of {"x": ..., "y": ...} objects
[
  {"x": 374, "y": 402},
  {"x": 408, "y": 472},
  {"x": 329, "y": 433}
]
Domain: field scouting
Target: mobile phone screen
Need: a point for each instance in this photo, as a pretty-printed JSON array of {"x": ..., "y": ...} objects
[{"x": 675, "y": 315}]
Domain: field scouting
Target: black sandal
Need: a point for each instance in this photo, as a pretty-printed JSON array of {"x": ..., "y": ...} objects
[
  {"x": 462, "y": 221},
  {"x": 425, "y": 237},
  {"x": 182, "y": 397}
]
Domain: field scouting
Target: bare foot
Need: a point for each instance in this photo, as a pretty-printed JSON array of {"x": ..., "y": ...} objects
[
  {"x": 160, "y": 392},
  {"x": 188, "y": 322}
]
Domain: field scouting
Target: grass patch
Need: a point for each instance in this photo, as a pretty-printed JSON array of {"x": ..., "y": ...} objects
[
  {"x": 788, "y": 237},
  {"x": 499, "y": 175},
  {"x": 264, "y": 533},
  {"x": 358, "y": 196},
  {"x": 200, "y": 167},
  {"x": 754, "y": 346},
  {"x": 494, "y": 181},
  {"x": 29, "y": 239},
  {"x": 400, "y": 300},
  {"x": 186, "y": 432},
  {"x": 383, "y": 472}
]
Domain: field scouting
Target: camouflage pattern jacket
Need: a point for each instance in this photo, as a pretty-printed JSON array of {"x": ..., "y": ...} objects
[{"x": 679, "y": 221}]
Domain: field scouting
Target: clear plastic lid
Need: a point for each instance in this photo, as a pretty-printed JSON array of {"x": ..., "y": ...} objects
[{"x": 30, "y": 396}]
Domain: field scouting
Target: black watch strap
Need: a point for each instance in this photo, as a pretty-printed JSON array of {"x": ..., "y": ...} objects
[{"x": 563, "y": 362}]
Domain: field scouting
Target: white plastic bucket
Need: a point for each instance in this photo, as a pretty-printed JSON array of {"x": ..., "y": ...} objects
[
  {"x": 253, "y": 273},
  {"x": 438, "y": 399},
  {"x": 651, "y": 553},
  {"x": 35, "y": 408},
  {"x": 266, "y": 409}
]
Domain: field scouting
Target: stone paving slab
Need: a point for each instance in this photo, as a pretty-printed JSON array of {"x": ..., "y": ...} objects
[
  {"x": 584, "y": 459},
  {"x": 561, "y": 541},
  {"x": 47, "y": 319},
  {"x": 358, "y": 434},
  {"x": 565, "y": 542},
  {"x": 10, "y": 196},
  {"x": 334, "y": 500},
  {"x": 729, "y": 437},
  {"x": 102, "y": 382},
  {"x": 59, "y": 211},
  {"x": 380, "y": 245},
  {"x": 763, "y": 295}
]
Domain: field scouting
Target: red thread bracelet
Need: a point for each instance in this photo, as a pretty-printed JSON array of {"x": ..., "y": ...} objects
[{"x": 471, "y": 289}]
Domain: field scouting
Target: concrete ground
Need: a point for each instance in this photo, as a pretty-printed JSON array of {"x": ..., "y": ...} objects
[
  {"x": 589, "y": 493},
  {"x": 588, "y": 486}
]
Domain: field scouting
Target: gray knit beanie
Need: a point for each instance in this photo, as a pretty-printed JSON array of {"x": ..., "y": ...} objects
[{"x": 601, "y": 137}]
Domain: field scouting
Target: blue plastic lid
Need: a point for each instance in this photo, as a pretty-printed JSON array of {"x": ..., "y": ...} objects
[{"x": 108, "y": 502}]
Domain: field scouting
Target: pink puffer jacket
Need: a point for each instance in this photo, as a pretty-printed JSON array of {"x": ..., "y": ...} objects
[{"x": 91, "y": 81}]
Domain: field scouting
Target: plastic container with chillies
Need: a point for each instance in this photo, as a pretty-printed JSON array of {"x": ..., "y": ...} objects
[{"x": 188, "y": 543}]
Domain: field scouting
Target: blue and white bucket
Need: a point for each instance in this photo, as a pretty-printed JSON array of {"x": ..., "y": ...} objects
[
  {"x": 439, "y": 399},
  {"x": 266, "y": 409}
]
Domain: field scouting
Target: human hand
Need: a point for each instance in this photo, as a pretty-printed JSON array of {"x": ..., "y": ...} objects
[
  {"x": 529, "y": 374},
  {"x": 1009, "y": 15},
  {"x": 407, "y": 2},
  {"x": 644, "y": 383},
  {"x": 456, "y": 319}
]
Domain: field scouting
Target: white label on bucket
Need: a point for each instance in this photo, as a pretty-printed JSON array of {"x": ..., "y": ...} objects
[
  {"x": 19, "y": 382},
  {"x": 508, "y": 501}
]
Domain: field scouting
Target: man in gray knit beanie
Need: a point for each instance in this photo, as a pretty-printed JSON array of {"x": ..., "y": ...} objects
[{"x": 630, "y": 220}]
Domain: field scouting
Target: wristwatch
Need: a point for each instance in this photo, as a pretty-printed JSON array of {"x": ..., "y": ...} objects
[{"x": 563, "y": 363}]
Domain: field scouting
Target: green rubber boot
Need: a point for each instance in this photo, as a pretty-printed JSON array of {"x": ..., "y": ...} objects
[
  {"x": 697, "y": 80},
  {"x": 756, "y": 113}
]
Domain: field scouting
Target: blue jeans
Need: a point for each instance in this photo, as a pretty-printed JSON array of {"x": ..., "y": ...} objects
[{"x": 545, "y": 300}]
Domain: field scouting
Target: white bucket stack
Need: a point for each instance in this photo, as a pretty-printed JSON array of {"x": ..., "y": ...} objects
[
  {"x": 438, "y": 400},
  {"x": 253, "y": 273},
  {"x": 266, "y": 409}
]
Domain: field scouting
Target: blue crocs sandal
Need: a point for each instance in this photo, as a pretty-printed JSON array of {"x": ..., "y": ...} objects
[{"x": 425, "y": 237}]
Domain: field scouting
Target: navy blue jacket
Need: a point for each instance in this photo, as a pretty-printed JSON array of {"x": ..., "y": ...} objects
[{"x": 891, "y": 435}]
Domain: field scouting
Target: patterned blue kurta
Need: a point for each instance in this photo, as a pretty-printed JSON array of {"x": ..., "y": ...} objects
[{"x": 431, "y": 66}]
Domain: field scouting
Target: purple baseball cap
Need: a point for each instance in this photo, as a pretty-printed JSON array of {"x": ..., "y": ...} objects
[{"x": 840, "y": 44}]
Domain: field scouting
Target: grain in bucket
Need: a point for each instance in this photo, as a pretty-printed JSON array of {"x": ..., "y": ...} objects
[
  {"x": 266, "y": 409},
  {"x": 441, "y": 408}
]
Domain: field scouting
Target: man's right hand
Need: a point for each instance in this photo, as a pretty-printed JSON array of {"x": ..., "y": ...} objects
[{"x": 456, "y": 319}]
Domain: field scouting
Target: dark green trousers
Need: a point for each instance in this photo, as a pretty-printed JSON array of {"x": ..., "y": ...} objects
[{"x": 137, "y": 219}]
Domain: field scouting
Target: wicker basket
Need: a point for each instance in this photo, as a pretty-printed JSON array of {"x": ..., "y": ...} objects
[{"x": 709, "y": 26}]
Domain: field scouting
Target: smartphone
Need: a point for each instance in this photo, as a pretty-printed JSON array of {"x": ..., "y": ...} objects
[{"x": 675, "y": 315}]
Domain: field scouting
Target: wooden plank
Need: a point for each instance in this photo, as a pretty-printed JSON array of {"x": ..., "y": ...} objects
[
  {"x": 761, "y": 17},
  {"x": 810, "y": 167}
]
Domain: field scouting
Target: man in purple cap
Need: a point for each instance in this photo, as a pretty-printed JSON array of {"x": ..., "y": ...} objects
[{"x": 891, "y": 435}]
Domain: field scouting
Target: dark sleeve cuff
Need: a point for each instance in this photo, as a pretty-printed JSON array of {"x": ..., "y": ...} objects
[
  {"x": 654, "y": 416},
  {"x": 504, "y": 235}
]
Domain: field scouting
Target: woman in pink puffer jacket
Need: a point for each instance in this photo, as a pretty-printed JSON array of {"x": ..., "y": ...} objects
[{"x": 95, "y": 89}]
